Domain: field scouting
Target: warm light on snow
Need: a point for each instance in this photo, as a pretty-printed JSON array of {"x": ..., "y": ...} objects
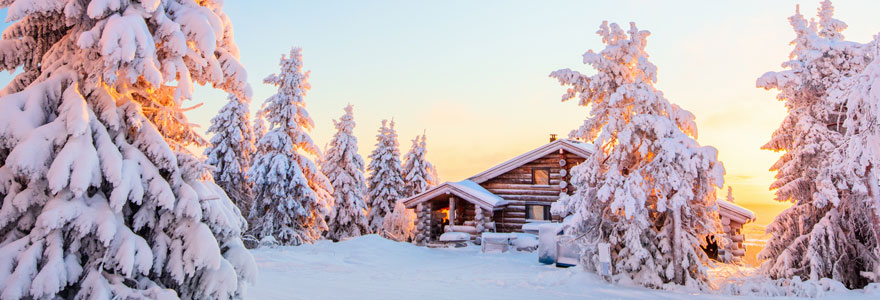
[{"x": 113, "y": 186}]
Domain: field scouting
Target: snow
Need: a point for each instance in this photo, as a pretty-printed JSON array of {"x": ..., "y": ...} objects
[
  {"x": 370, "y": 267},
  {"x": 736, "y": 208},
  {"x": 454, "y": 237},
  {"x": 583, "y": 146},
  {"x": 533, "y": 226},
  {"x": 524, "y": 242},
  {"x": 547, "y": 236},
  {"x": 478, "y": 191}
]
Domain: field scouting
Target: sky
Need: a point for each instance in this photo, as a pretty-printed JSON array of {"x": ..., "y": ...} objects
[{"x": 474, "y": 74}]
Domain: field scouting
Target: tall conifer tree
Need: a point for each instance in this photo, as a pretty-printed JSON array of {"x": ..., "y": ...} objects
[
  {"x": 345, "y": 169},
  {"x": 99, "y": 196},
  {"x": 649, "y": 188},
  {"x": 386, "y": 176},
  {"x": 292, "y": 196}
]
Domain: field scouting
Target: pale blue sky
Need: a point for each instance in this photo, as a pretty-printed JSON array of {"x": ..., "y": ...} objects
[{"x": 474, "y": 73}]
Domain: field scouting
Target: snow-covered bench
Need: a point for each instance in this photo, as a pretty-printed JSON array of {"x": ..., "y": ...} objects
[
  {"x": 495, "y": 242},
  {"x": 455, "y": 239},
  {"x": 524, "y": 241},
  {"x": 461, "y": 228}
]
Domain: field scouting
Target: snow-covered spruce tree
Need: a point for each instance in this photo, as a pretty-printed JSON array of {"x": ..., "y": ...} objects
[
  {"x": 845, "y": 243},
  {"x": 99, "y": 197},
  {"x": 345, "y": 169},
  {"x": 813, "y": 239},
  {"x": 230, "y": 151},
  {"x": 418, "y": 173},
  {"x": 649, "y": 190},
  {"x": 291, "y": 195},
  {"x": 386, "y": 176}
]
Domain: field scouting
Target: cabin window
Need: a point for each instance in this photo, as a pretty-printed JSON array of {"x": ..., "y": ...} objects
[
  {"x": 541, "y": 176},
  {"x": 538, "y": 212}
]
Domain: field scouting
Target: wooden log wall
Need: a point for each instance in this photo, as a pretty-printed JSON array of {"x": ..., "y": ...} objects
[
  {"x": 516, "y": 187},
  {"x": 468, "y": 212},
  {"x": 733, "y": 230}
]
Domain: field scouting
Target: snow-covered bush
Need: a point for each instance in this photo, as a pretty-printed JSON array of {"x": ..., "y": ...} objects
[
  {"x": 400, "y": 224},
  {"x": 386, "y": 176},
  {"x": 650, "y": 189},
  {"x": 831, "y": 229},
  {"x": 99, "y": 196},
  {"x": 759, "y": 285},
  {"x": 291, "y": 195},
  {"x": 345, "y": 169},
  {"x": 231, "y": 149}
]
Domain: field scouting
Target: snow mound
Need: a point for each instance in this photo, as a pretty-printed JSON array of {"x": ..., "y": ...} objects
[{"x": 371, "y": 267}]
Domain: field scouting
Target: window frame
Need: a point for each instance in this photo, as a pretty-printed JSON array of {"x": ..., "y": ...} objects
[
  {"x": 546, "y": 208},
  {"x": 534, "y": 178}
]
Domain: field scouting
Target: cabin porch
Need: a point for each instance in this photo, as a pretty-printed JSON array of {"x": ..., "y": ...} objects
[
  {"x": 454, "y": 207},
  {"x": 453, "y": 214}
]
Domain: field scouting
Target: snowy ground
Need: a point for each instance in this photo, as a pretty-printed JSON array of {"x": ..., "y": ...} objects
[{"x": 371, "y": 267}]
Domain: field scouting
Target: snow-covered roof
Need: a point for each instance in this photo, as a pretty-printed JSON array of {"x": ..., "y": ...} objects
[
  {"x": 578, "y": 148},
  {"x": 735, "y": 212},
  {"x": 465, "y": 189}
]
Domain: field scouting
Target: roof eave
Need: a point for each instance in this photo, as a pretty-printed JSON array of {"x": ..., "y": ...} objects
[{"x": 447, "y": 188}]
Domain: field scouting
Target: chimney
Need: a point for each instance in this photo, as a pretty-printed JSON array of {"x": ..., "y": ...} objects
[{"x": 552, "y": 137}]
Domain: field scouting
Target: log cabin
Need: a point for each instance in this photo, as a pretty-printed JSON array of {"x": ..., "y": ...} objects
[{"x": 520, "y": 191}]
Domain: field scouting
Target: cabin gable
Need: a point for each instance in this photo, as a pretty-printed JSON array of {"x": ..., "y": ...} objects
[{"x": 525, "y": 188}]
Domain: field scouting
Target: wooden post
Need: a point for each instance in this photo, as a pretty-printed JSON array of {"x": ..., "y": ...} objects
[
  {"x": 489, "y": 218},
  {"x": 423, "y": 224},
  {"x": 426, "y": 213},
  {"x": 420, "y": 225},
  {"x": 451, "y": 210},
  {"x": 479, "y": 220}
]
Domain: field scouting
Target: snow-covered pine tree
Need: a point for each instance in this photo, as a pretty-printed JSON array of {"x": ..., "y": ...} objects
[
  {"x": 649, "y": 190},
  {"x": 291, "y": 195},
  {"x": 231, "y": 149},
  {"x": 418, "y": 173},
  {"x": 99, "y": 197},
  {"x": 386, "y": 176},
  {"x": 803, "y": 241},
  {"x": 345, "y": 169},
  {"x": 845, "y": 243},
  {"x": 400, "y": 224}
]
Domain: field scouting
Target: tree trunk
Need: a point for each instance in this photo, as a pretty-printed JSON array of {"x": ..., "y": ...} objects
[
  {"x": 874, "y": 196},
  {"x": 676, "y": 246}
]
